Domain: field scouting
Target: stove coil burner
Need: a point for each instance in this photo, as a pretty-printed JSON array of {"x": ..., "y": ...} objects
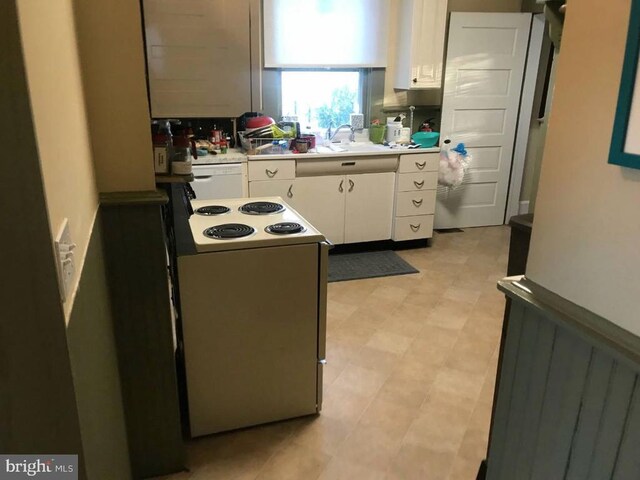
[
  {"x": 261, "y": 208},
  {"x": 285, "y": 228},
  {"x": 229, "y": 231},
  {"x": 213, "y": 210}
]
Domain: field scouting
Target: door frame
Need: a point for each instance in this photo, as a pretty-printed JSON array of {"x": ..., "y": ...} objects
[{"x": 521, "y": 141}]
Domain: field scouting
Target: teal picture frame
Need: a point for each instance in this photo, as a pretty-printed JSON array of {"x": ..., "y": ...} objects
[{"x": 617, "y": 153}]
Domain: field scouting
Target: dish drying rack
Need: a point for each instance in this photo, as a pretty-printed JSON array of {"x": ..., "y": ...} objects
[{"x": 264, "y": 146}]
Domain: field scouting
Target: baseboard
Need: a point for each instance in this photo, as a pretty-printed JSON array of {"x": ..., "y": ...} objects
[{"x": 523, "y": 207}]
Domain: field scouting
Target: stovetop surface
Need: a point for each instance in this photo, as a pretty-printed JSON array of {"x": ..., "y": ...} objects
[{"x": 261, "y": 236}]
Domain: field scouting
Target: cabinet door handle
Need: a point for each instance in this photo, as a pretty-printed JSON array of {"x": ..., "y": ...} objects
[
  {"x": 417, "y": 203},
  {"x": 419, "y": 184},
  {"x": 421, "y": 165},
  {"x": 290, "y": 192},
  {"x": 351, "y": 185},
  {"x": 340, "y": 189},
  {"x": 269, "y": 173},
  {"x": 415, "y": 228},
  {"x": 415, "y": 80},
  {"x": 203, "y": 177}
]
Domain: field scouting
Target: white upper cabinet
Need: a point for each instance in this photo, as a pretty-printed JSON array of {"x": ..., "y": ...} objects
[
  {"x": 421, "y": 31},
  {"x": 203, "y": 57}
]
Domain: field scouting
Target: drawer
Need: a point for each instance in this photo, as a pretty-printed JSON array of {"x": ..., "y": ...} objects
[
  {"x": 272, "y": 169},
  {"x": 346, "y": 165},
  {"x": 408, "y": 182},
  {"x": 419, "y": 162},
  {"x": 415, "y": 203},
  {"x": 412, "y": 228}
]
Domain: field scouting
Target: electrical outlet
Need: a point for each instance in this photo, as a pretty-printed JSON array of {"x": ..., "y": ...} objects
[{"x": 64, "y": 248}]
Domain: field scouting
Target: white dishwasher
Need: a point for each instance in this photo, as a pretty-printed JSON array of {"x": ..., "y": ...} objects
[{"x": 223, "y": 180}]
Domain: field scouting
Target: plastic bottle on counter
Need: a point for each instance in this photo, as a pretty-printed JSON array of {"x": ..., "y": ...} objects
[{"x": 162, "y": 144}]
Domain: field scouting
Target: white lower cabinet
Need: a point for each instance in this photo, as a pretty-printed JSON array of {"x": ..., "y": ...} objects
[
  {"x": 357, "y": 207},
  {"x": 369, "y": 207},
  {"x": 345, "y": 208},
  {"x": 321, "y": 201},
  {"x": 272, "y": 188},
  {"x": 415, "y": 197}
]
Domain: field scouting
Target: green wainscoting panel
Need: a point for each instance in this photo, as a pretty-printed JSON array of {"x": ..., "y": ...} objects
[
  {"x": 568, "y": 400},
  {"x": 94, "y": 365},
  {"x": 137, "y": 270}
]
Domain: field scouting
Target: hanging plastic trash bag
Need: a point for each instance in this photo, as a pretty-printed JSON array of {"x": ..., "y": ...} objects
[{"x": 453, "y": 164}]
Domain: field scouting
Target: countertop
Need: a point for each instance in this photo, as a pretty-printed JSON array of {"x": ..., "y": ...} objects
[
  {"x": 234, "y": 155},
  {"x": 238, "y": 156},
  {"x": 370, "y": 151}
]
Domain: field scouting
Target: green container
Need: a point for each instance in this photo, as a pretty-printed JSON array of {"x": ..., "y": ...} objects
[{"x": 376, "y": 133}]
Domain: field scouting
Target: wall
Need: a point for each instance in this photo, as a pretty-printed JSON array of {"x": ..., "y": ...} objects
[
  {"x": 586, "y": 231},
  {"x": 113, "y": 68},
  {"x": 37, "y": 405},
  {"x": 58, "y": 106}
]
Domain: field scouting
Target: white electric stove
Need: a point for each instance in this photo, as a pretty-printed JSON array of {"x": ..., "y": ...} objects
[
  {"x": 229, "y": 224},
  {"x": 253, "y": 310}
]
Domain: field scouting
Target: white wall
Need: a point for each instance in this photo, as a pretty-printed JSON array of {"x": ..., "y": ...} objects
[
  {"x": 58, "y": 108},
  {"x": 586, "y": 233},
  {"x": 113, "y": 68}
]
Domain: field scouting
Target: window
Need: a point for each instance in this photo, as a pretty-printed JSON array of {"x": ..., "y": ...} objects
[{"x": 321, "y": 98}]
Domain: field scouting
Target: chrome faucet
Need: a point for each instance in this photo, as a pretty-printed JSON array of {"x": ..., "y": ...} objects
[{"x": 352, "y": 135}]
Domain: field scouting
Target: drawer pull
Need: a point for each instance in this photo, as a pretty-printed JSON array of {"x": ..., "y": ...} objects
[
  {"x": 269, "y": 173},
  {"x": 348, "y": 164},
  {"x": 289, "y": 192},
  {"x": 421, "y": 165},
  {"x": 415, "y": 228},
  {"x": 417, "y": 203},
  {"x": 340, "y": 189},
  {"x": 419, "y": 184},
  {"x": 351, "y": 185}
]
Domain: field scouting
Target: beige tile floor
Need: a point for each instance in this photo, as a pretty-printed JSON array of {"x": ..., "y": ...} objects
[{"x": 409, "y": 379}]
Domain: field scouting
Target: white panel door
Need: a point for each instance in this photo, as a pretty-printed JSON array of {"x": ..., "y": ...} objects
[
  {"x": 320, "y": 200},
  {"x": 483, "y": 82},
  {"x": 369, "y": 209}
]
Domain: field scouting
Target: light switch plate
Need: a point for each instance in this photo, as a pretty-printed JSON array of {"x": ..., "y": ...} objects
[{"x": 64, "y": 248}]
